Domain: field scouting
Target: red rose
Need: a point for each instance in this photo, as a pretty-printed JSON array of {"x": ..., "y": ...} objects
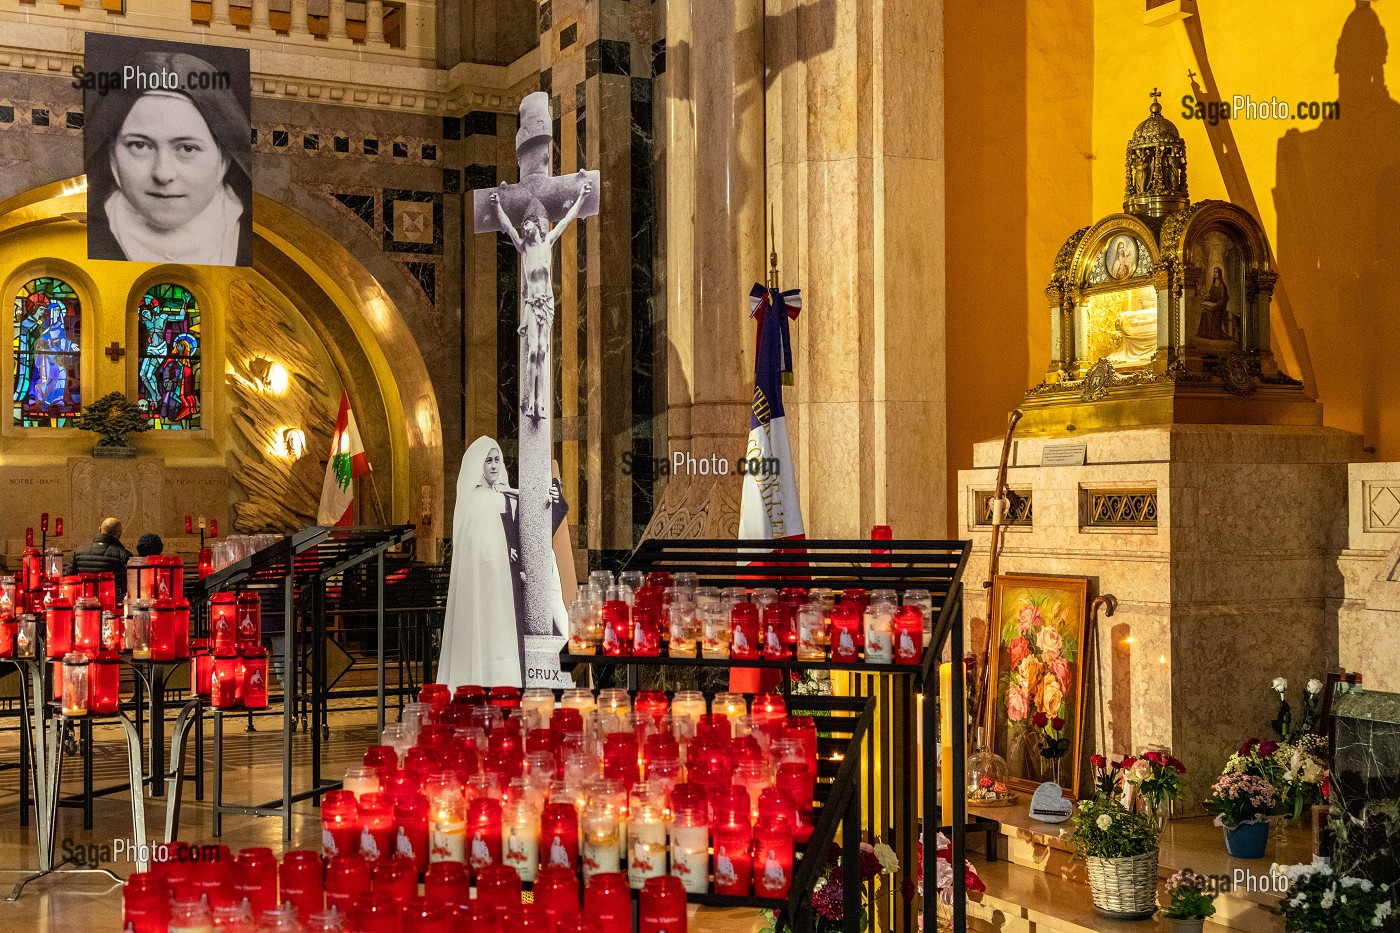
[
  {"x": 1244, "y": 749},
  {"x": 1267, "y": 748},
  {"x": 1098, "y": 761},
  {"x": 1177, "y": 765},
  {"x": 1127, "y": 763},
  {"x": 1057, "y": 723},
  {"x": 1154, "y": 757},
  {"x": 1040, "y": 719}
]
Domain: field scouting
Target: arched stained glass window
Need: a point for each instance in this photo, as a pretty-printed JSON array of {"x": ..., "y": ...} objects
[
  {"x": 168, "y": 377},
  {"x": 47, "y": 352}
]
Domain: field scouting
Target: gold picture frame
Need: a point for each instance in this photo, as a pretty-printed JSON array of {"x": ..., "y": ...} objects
[{"x": 1039, "y": 647}]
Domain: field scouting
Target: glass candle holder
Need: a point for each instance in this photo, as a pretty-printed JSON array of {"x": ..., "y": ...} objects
[
  {"x": 340, "y": 823},
  {"x": 163, "y": 630},
  {"x": 879, "y": 634},
  {"x": 361, "y": 780},
  {"x": 811, "y": 632},
  {"x": 684, "y": 629},
  {"x": 744, "y": 641},
  {"x": 690, "y": 837},
  {"x": 688, "y": 704},
  {"x": 504, "y": 697},
  {"x": 856, "y": 598},
  {"x": 203, "y": 672},
  {"x": 559, "y": 826},
  {"x": 601, "y": 840},
  {"x": 846, "y": 634},
  {"x": 520, "y": 847},
  {"x": 557, "y": 894},
  {"x": 301, "y": 878},
  {"x": 138, "y": 629},
  {"x": 447, "y": 820},
  {"x": 732, "y": 834},
  {"x": 26, "y": 631},
  {"x": 223, "y": 623},
  {"x": 104, "y": 683},
  {"x": 347, "y": 877},
  {"x": 411, "y": 830},
  {"x": 661, "y": 906},
  {"x": 484, "y": 830},
  {"x": 113, "y": 631},
  {"x": 249, "y": 609},
  {"x": 776, "y": 623},
  {"x": 87, "y": 624},
  {"x": 8, "y": 596},
  {"x": 617, "y": 628},
  {"x": 580, "y": 700},
  {"x": 145, "y": 903},
  {"x": 9, "y": 636},
  {"x": 763, "y": 595},
  {"x": 584, "y": 635},
  {"x": 646, "y": 839},
  {"x": 32, "y": 563},
  {"x": 601, "y": 579},
  {"x": 923, "y": 601},
  {"x": 773, "y": 857},
  {"x": 646, "y": 631},
  {"x": 58, "y": 628},
  {"x": 715, "y": 632},
  {"x": 75, "y": 684},
  {"x": 447, "y": 883},
  {"x": 226, "y": 683},
  {"x": 255, "y": 677},
  {"x": 53, "y": 564},
  {"x": 376, "y": 826},
  {"x": 908, "y": 635}
]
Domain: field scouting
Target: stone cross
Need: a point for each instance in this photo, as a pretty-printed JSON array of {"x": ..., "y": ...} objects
[{"x": 524, "y": 212}]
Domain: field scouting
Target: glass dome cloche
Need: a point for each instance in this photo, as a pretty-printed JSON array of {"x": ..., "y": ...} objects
[{"x": 986, "y": 778}]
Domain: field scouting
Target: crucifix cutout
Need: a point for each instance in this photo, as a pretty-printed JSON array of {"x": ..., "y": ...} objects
[
  {"x": 524, "y": 212},
  {"x": 115, "y": 352}
]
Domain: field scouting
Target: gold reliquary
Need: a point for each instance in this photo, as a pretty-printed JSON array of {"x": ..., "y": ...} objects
[{"x": 1160, "y": 314}]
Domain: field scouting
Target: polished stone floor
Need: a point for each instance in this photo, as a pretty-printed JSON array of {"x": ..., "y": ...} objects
[{"x": 253, "y": 775}]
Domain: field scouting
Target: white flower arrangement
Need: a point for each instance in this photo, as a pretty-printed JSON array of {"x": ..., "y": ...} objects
[{"x": 1280, "y": 685}]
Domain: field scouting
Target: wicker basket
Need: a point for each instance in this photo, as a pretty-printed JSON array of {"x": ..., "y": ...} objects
[{"x": 1125, "y": 887}]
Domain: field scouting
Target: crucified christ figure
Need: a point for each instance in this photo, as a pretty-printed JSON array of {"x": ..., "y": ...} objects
[{"x": 535, "y": 243}]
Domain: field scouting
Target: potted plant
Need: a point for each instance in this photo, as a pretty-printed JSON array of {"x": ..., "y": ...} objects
[
  {"x": 1298, "y": 764},
  {"x": 1320, "y": 901},
  {"x": 1190, "y": 901},
  {"x": 1120, "y": 848},
  {"x": 1243, "y": 799}
]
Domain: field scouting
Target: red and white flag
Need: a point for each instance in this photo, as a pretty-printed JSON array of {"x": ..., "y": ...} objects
[{"x": 348, "y": 462}]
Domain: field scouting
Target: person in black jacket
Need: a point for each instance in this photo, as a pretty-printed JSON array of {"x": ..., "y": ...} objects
[{"x": 105, "y": 554}]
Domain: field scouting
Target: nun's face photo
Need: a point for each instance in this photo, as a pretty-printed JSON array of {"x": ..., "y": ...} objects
[
  {"x": 491, "y": 472},
  {"x": 166, "y": 161}
]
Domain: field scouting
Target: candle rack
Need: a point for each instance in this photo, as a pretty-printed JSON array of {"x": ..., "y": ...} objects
[{"x": 905, "y": 787}]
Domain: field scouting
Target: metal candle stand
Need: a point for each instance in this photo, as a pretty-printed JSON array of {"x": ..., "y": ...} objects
[{"x": 933, "y": 565}]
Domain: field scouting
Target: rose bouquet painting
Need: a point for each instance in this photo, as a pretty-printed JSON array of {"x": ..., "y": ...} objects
[{"x": 1036, "y": 714}]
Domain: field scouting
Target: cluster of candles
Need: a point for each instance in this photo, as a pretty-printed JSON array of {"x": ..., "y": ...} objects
[
  {"x": 662, "y": 613},
  {"x": 231, "y": 668},
  {"x": 594, "y": 784},
  {"x": 206, "y": 889}
]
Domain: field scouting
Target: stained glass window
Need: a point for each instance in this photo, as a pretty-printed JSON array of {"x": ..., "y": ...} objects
[
  {"x": 47, "y": 342},
  {"x": 168, "y": 377}
]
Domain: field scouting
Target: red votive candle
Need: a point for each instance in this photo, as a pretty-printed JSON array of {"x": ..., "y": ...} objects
[
  {"x": 58, "y": 628},
  {"x": 498, "y": 887},
  {"x": 773, "y": 845},
  {"x": 213, "y": 878},
  {"x": 376, "y": 826},
  {"x": 145, "y": 903},
  {"x": 476, "y": 918},
  {"x": 203, "y": 664},
  {"x": 411, "y": 830},
  {"x": 776, "y": 623},
  {"x": 223, "y": 623},
  {"x": 908, "y": 635},
  {"x": 566, "y": 721},
  {"x": 87, "y": 625},
  {"x": 653, "y": 703},
  {"x": 559, "y": 836},
  {"x": 340, "y": 823},
  {"x": 661, "y": 907},
  {"x": 732, "y": 838},
  {"x": 182, "y": 628},
  {"x": 376, "y": 912},
  {"x": 467, "y": 694},
  {"x": 579, "y": 923},
  {"x": 504, "y": 697},
  {"x": 9, "y": 629},
  {"x": 484, "y": 834},
  {"x": 846, "y": 633},
  {"x": 716, "y": 725},
  {"x": 249, "y": 606},
  {"x": 857, "y": 598},
  {"x": 422, "y": 915},
  {"x": 255, "y": 677},
  {"x": 621, "y": 761},
  {"x": 447, "y": 883},
  {"x": 608, "y": 900},
  {"x": 104, "y": 683},
  {"x": 226, "y": 685},
  {"x": 556, "y": 891},
  {"x": 646, "y": 630},
  {"x": 171, "y": 863},
  {"x": 804, "y": 730},
  {"x": 107, "y": 590},
  {"x": 617, "y": 628},
  {"x": 163, "y": 630},
  {"x": 396, "y": 877},
  {"x": 255, "y": 878},
  {"x": 658, "y": 579},
  {"x": 744, "y": 641},
  {"x": 302, "y": 881},
  {"x": 769, "y": 712}
]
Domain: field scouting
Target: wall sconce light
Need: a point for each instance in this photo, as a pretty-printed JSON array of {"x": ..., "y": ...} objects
[
  {"x": 293, "y": 443},
  {"x": 269, "y": 375}
]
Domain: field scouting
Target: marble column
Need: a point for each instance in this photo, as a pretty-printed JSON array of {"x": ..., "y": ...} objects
[
  {"x": 219, "y": 15},
  {"x": 715, "y": 249},
  {"x": 299, "y": 18},
  {"x": 337, "y": 24},
  {"x": 855, "y": 173},
  {"x": 374, "y": 22},
  {"x": 260, "y": 19}
]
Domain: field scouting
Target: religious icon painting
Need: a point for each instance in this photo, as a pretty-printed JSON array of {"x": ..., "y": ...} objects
[
  {"x": 47, "y": 354},
  {"x": 1037, "y": 671},
  {"x": 1120, "y": 257},
  {"x": 168, "y": 371}
]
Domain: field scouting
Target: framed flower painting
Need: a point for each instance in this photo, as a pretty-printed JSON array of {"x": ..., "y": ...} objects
[{"x": 1038, "y": 710}]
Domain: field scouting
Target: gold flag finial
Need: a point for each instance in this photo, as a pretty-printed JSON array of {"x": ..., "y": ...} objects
[{"x": 773, "y": 255}]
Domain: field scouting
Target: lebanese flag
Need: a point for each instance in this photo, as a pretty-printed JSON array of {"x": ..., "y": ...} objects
[
  {"x": 769, "y": 507},
  {"x": 348, "y": 462}
]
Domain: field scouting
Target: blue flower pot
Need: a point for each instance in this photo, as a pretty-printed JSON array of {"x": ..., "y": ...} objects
[{"x": 1248, "y": 840}]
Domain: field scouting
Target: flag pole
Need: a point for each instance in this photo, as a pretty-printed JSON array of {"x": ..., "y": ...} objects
[{"x": 378, "y": 503}]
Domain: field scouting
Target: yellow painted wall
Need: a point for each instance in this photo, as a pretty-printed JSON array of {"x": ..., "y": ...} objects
[{"x": 1328, "y": 195}]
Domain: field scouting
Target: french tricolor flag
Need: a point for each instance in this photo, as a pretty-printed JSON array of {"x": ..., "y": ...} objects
[{"x": 770, "y": 507}]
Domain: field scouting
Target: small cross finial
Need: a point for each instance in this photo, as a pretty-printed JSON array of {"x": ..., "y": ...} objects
[
  {"x": 1191, "y": 75},
  {"x": 1155, "y": 94},
  {"x": 115, "y": 352}
]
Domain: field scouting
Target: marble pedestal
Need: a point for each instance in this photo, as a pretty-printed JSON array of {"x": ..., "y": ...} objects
[{"x": 1220, "y": 543}]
